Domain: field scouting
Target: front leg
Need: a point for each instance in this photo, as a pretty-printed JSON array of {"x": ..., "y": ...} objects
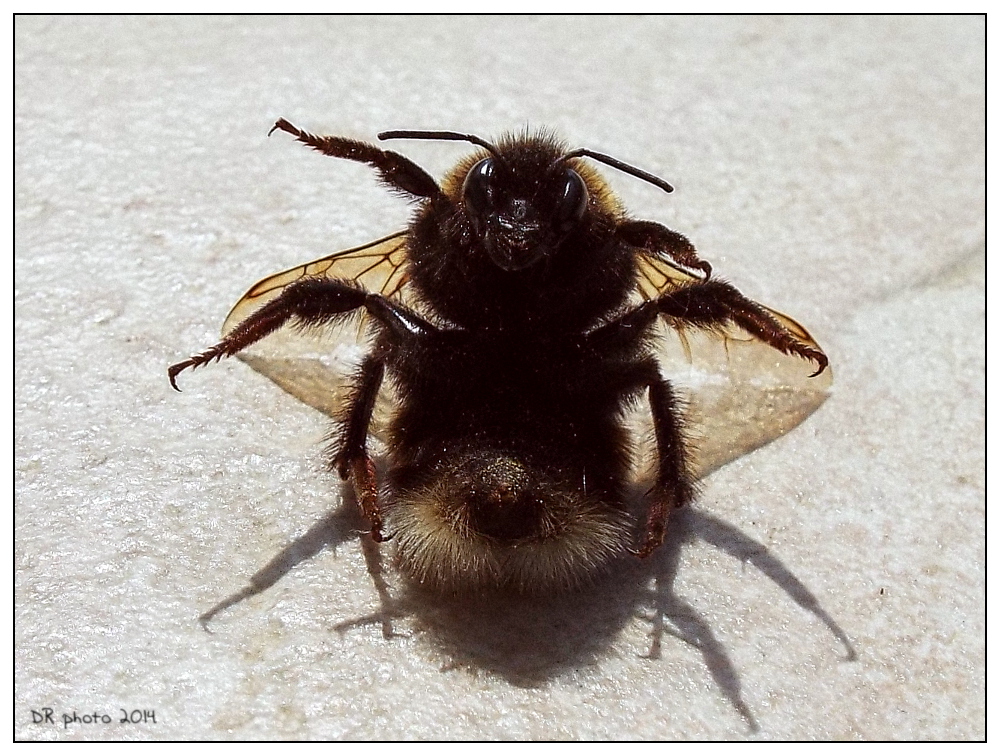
[
  {"x": 394, "y": 170},
  {"x": 658, "y": 240}
]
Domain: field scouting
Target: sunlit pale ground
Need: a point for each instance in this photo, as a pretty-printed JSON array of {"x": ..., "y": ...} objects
[{"x": 828, "y": 585}]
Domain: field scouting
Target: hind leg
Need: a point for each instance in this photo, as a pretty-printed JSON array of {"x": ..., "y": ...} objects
[
  {"x": 350, "y": 458},
  {"x": 674, "y": 485}
]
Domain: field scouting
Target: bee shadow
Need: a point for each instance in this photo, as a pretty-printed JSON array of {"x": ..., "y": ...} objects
[{"x": 529, "y": 640}]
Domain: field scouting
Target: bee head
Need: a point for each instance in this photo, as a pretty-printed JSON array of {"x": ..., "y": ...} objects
[
  {"x": 525, "y": 196},
  {"x": 522, "y": 209}
]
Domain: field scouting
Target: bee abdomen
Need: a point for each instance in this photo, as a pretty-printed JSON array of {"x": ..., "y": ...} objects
[
  {"x": 493, "y": 518},
  {"x": 501, "y": 499}
]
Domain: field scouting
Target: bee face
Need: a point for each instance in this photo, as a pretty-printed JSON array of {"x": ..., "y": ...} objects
[{"x": 522, "y": 210}]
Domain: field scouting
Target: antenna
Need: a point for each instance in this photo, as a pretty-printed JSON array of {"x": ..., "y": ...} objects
[
  {"x": 452, "y": 136},
  {"x": 624, "y": 167}
]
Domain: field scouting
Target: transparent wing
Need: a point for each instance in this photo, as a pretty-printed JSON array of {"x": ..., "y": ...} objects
[
  {"x": 313, "y": 364},
  {"x": 657, "y": 276},
  {"x": 741, "y": 393},
  {"x": 378, "y": 266}
]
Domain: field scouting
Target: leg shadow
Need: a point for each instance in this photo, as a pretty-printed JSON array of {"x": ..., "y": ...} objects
[
  {"x": 336, "y": 528},
  {"x": 670, "y": 614}
]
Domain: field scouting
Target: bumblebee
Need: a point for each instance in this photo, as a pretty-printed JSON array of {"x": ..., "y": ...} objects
[{"x": 515, "y": 320}]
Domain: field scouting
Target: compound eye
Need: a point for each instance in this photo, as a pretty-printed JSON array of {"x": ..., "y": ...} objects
[
  {"x": 478, "y": 188},
  {"x": 572, "y": 201}
]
